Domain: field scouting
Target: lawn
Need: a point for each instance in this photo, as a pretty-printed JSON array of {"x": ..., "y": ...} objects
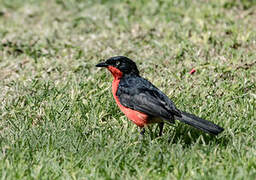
[{"x": 58, "y": 119}]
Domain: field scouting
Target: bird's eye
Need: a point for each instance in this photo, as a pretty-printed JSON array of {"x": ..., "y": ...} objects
[{"x": 117, "y": 63}]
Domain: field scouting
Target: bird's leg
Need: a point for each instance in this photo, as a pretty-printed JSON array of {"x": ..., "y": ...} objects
[
  {"x": 142, "y": 131},
  {"x": 161, "y": 126},
  {"x": 172, "y": 119}
]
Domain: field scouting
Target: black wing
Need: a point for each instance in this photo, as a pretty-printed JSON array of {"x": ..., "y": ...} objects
[{"x": 139, "y": 94}]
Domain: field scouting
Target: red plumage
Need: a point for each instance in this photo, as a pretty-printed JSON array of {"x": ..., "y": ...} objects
[{"x": 139, "y": 118}]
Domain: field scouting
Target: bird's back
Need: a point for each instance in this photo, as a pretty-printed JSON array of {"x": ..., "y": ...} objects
[{"x": 139, "y": 94}]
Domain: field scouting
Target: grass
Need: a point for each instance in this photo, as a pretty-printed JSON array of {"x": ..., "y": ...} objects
[{"x": 58, "y": 119}]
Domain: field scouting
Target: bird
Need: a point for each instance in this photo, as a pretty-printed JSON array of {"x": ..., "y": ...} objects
[{"x": 145, "y": 104}]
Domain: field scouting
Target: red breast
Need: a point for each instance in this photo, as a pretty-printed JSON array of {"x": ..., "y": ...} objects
[{"x": 139, "y": 118}]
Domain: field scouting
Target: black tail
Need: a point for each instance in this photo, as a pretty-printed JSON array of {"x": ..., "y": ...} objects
[{"x": 200, "y": 123}]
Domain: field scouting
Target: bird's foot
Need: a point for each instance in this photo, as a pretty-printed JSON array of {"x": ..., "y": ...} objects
[{"x": 161, "y": 126}]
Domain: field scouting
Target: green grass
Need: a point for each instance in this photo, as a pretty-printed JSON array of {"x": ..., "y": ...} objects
[{"x": 58, "y": 119}]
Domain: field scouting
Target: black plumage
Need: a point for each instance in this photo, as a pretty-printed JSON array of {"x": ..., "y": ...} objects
[{"x": 139, "y": 94}]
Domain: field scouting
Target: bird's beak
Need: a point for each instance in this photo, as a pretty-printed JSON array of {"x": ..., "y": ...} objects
[{"x": 102, "y": 64}]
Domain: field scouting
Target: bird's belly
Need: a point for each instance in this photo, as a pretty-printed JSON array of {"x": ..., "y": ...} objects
[{"x": 139, "y": 118}]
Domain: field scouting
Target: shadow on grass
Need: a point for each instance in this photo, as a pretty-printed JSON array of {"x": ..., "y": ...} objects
[
  {"x": 179, "y": 134},
  {"x": 188, "y": 136}
]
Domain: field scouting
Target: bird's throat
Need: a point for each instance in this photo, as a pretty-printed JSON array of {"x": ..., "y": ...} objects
[{"x": 115, "y": 72}]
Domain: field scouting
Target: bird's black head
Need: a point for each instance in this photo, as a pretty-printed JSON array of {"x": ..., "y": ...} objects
[{"x": 122, "y": 63}]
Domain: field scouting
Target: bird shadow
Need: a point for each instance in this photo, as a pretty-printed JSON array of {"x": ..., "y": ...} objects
[{"x": 187, "y": 136}]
